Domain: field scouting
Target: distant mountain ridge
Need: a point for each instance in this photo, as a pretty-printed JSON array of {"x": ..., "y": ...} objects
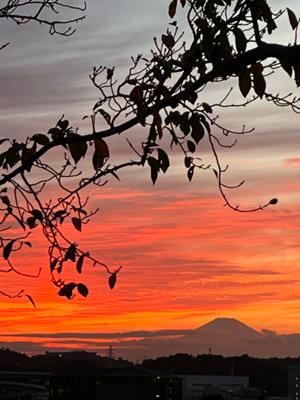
[
  {"x": 224, "y": 336},
  {"x": 228, "y": 326}
]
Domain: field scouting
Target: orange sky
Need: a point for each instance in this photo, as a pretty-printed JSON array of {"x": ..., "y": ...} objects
[{"x": 185, "y": 258}]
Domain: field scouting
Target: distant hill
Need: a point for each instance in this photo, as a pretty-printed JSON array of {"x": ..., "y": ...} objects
[
  {"x": 226, "y": 336},
  {"x": 232, "y": 326}
]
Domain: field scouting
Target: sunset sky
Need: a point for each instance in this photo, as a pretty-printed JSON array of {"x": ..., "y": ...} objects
[{"x": 186, "y": 259}]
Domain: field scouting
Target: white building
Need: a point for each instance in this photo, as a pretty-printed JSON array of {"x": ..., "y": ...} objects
[
  {"x": 294, "y": 382},
  {"x": 197, "y": 387},
  {"x": 19, "y": 390}
]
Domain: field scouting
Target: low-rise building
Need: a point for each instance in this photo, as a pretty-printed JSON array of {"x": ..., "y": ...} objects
[
  {"x": 294, "y": 382},
  {"x": 22, "y": 391},
  {"x": 196, "y": 387},
  {"x": 129, "y": 383},
  {"x": 136, "y": 384}
]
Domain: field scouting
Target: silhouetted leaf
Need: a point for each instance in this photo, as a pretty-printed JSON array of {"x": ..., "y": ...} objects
[
  {"x": 55, "y": 133},
  {"x": 154, "y": 165},
  {"x": 157, "y": 121},
  {"x": 273, "y": 201},
  {"x": 82, "y": 289},
  {"x": 187, "y": 161},
  {"x": 27, "y": 154},
  {"x": 5, "y": 200},
  {"x": 7, "y": 249},
  {"x": 245, "y": 82},
  {"x": 183, "y": 2},
  {"x": 31, "y": 222},
  {"x": 78, "y": 150},
  {"x": 31, "y": 300},
  {"x": 168, "y": 41},
  {"x": 98, "y": 161},
  {"x": 112, "y": 280},
  {"x": 191, "y": 146},
  {"x": 268, "y": 17},
  {"x": 197, "y": 128},
  {"x": 259, "y": 84},
  {"x": 109, "y": 73},
  {"x": 240, "y": 40},
  {"x": 79, "y": 263},
  {"x": 71, "y": 253},
  {"x": 185, "y": 123},
  {"x": 53, "y": 264},
  {"x": 67, "y": 290},
  {"x": 41, "y": 139},
  {"x": 59, "y": 214},
  {"x": 37, "y": 214},
  {"x": 101, "y": 147},
  {"x": 77, "y": 223},
  {"x": 257, "y": 68},
  {"x": 28, "y": 244},
  {"x": 174, "y": 117},
  {"x": 60, "y": 267},
  {"x": 172, "y": 8},
  {"x": 210, "y": 9},
  {"x": 136, "y": 95},
  {"x": 63, "y": 124},
  {"x": 152, "y": 133},
  {"x": 101, "y": 153},
  {"x": 292, "y": 18},
  {"x": 163, "y": 160},
  {"x": 190, "y": 172},
  {"x": 207, "y": 108},
  {"x": 11, "y": 156}
]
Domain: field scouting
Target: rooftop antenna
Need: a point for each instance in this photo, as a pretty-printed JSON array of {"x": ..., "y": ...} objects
[{"x": 110, "y": 351}]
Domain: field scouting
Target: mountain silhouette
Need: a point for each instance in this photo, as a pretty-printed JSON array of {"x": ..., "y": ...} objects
[
  {"x": 228, "y": 326},
  {"x": 226, "y": 336},
  {"x": 223, "y": 336}
]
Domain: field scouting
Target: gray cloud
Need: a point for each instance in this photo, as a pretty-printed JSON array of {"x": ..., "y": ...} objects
[{"x": 113, "y": 335}]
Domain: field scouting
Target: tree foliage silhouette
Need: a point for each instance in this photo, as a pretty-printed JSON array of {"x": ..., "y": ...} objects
[{"x": 165, "y": 96}]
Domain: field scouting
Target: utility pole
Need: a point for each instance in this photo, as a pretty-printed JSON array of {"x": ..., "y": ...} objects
[{"x": 110, "y": 352}]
